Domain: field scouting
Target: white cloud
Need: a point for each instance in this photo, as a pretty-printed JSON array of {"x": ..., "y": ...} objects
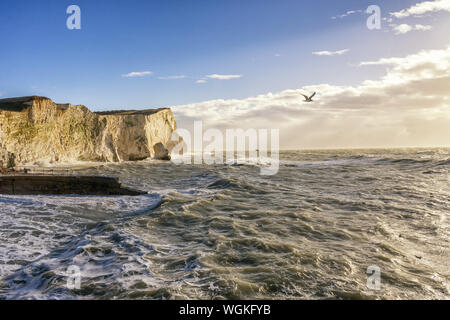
[
  {"x": 408, "y": 106},
  {"x": 422, "y": 27},
  {"x": 434, "y": 61},
  {"x": 330, "y": 53},
  {"x": 402, "y": 28},
  {"x": 200, "y": 81},
  {"x": 405, "y": 28},
  {"x": 422, "y": 8},
  {"x": 224, "y": 76},
  {"x": 348, "y": 13},
  {"x": 137, "y": 74},
  {"x": 172, "y": 77}
]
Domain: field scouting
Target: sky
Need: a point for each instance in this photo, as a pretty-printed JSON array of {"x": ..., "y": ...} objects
[{"x": 244, "y": 64}]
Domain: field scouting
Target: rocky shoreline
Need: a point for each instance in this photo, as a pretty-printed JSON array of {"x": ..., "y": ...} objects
[{"x": 35, "y": 130}]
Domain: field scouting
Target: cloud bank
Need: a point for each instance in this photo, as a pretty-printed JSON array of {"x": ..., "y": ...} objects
[
  {"x": 422, "y": 8},
  {"x": 408, "y": 106}
]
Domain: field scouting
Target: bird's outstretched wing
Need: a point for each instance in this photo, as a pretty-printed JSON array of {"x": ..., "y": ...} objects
[
  {"x": 312, "y": 95},
  {"x": 306, "y": 97}
]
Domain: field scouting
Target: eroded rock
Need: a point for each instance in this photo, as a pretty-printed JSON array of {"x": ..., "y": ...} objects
[
  {"x": 161, "y": 153},
  {"x": 37, "y": 130}
]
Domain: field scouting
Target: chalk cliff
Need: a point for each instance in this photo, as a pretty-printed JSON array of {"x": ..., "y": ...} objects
[{"x": 37, "y": 130}]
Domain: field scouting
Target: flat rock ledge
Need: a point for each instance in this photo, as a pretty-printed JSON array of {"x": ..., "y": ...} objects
[{"x": 37, "y": 184}]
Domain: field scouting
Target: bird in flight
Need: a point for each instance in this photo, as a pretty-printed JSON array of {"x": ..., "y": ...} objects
[{"x": 309, "y": 99}]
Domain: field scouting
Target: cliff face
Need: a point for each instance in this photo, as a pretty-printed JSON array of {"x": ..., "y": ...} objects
[{"x": 37, "y": 130}]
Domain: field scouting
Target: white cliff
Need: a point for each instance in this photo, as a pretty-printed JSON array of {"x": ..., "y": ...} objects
[{"x": 37, "y": 130}]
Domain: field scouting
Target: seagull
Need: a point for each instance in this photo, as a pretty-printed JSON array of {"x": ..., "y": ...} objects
[{"x": 309, "y": 99}]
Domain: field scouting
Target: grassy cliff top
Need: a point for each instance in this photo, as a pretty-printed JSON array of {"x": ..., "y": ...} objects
[
  {"x": 19, "y": 104},
  {"x": 130, "y": 112}
]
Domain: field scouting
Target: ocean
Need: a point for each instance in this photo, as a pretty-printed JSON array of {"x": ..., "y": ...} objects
[{"x": 315, "y": 230}]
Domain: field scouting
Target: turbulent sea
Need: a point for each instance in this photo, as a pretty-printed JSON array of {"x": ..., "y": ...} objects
[{"x": 226, "y": 232}]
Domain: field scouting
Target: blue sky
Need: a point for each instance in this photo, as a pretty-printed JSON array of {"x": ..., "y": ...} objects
[
  {"x": 244, "y": 64},
  {"x": 268, "y": 43}
]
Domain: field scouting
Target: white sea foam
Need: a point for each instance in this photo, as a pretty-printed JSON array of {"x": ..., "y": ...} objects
[{"x": 33, "y": 225}]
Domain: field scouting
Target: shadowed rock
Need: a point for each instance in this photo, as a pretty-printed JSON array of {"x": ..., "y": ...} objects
[
  {"x": 31, "y": 184},
  {"x": 161, "y": 153}
]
